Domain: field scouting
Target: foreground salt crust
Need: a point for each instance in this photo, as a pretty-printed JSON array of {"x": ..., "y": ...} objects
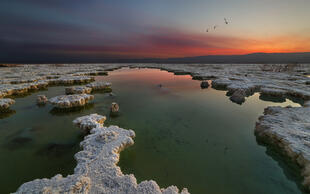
[
  {"x": 71, "y": 101},
  {"x": 96, "y": 170},
  {"x": 5, "y": 103},
  {"x": 288, "y": 129}
]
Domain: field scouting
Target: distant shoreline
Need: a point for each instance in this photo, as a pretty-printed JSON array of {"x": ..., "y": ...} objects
[{"x": 254, "y": 58}]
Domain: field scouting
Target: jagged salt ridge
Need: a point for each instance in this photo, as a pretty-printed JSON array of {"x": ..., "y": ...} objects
[
  {"x": 289, "y": 130},
  {"x": 96, "y": 170}
]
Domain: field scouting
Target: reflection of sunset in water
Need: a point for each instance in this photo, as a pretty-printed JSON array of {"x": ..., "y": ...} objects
[
  {"x": 154, "y": 77},
  {"x": 147, "y": 75}
]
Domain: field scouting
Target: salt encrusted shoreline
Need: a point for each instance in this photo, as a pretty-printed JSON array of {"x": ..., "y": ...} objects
[
  {"x": 288, "y": 129},
  {"x": 97, "y": 170},
  {"x": 250, "y": 78},
  {"x": 243, "y": 79}
]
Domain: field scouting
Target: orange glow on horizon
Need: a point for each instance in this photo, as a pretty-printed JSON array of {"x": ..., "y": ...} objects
[{"x": 178, "y": 44}]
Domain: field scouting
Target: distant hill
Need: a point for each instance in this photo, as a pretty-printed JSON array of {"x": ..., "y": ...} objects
[
  {"x": 249, "y": 58},
  {"x": 255, "y": 58}
]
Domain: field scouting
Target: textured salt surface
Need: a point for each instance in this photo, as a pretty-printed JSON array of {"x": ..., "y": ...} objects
[
  {"x": 71, "y": 101},
  {"x": 289, "y": 130},
  {"x": 5, "y": 103},
  {"x": 96, "y": 170}
]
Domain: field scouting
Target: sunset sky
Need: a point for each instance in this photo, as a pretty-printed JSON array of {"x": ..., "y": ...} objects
[{"x": 150, "y": 28}]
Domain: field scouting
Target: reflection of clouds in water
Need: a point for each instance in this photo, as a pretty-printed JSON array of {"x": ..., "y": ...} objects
[{"x": 153, "y": 76}]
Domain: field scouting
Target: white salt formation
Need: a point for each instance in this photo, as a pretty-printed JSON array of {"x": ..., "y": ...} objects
[
  {"x": 96, "y": 170},
  {"x": 5, "y": 103},
  {"x": 18, "y": 89},
  {"x": 69, "y": 80},
  {"x": 71, "y": 101},
  {"x": 86, "y": 123},
  {"x": 99, "y": 85},
  {"x": 288, "y": 129},
  {"x": 273, "y": 92},
  {"x": 114, "y": 107},
  {"x": 238, "y": 96},
  {"x": 42, "y": 100}
]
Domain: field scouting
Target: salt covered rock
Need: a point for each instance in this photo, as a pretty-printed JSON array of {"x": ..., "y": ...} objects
[
  {"x": 89, "y": 122},
  {"x": 68, "y": 80},
  {"x": 221, "y": 83},
  {"x": 42, "y": 100},
  {"x": 238, "y": 96},
  {"x": 99, "y": 85},
  {"x": 78, "y": 90},
  {"x": 70, "y": 101},
  {"x": 5, "y": 103},
  {"x": 114, "y": 107},
  {"x": 204, "y": 84},
  {"x": 288, "y": 130},
  {"x": 273, "y": 92}
]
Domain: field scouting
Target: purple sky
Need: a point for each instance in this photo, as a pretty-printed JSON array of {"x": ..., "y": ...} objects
[{"x": 144, "y": 28}]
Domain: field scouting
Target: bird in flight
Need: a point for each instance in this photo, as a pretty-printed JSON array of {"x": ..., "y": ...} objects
[
  {"x": 216, "y": 26},
  {"x": 226, "y": 22}
]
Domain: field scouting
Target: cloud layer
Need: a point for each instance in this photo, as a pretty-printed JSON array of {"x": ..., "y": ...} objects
[{"x": 116, "y": 29}]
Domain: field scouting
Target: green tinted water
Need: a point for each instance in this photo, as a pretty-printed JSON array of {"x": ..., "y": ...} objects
[{"x": 185, "y": 136}]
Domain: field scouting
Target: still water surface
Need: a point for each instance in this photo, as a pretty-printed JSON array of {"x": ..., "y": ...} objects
[{"x": 185, "y": 136}]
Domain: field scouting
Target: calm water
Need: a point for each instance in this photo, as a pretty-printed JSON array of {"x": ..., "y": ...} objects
[{"x": 185, "y": 136}]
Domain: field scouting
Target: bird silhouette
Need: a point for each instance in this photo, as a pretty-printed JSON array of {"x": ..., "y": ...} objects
[
  {"x": 226, "y": 22},
  {"x": 216, "y": 26}
]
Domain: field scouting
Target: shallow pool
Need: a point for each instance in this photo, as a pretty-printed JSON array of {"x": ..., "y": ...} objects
[{"x": 185, "y": 136}]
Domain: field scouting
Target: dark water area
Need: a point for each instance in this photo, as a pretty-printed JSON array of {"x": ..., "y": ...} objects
[{"x": 185, "y": 136}]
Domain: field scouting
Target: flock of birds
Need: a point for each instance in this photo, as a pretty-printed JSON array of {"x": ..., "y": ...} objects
[{"x": 215, "y": 26}]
